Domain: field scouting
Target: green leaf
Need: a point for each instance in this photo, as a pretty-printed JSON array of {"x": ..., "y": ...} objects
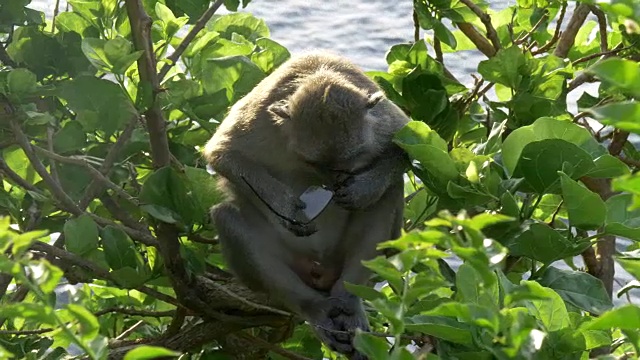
[
  {"x": 166, "y": 188},
  {"x": 364, "y": 292},
  {"x": 608, "y": 166},
  {"x": 551, "y": 311},
  {"x": 93, "y": 49},
  {"x": 70, "y": 138},
  {"x": 161, "y": 213},
  {"x": 626, "y": 317},
  {"x": 543, "y": 129},
  {"x": 383, "y": 267},
  {"x": 17, "y": 161},
  {"x": 426, "y": 146},
  {"x": 119, "y": 249},
  {"x": 21, "y": 82},
  {"x": 622, "y": 73},
  {"x": 88, "y": 322},
  {"x": 443, "y": 34},
  {"x": 622, "y": 115},
  {"x": 586, "y": 209},
  {"x": 630, "y": 261},
  {"x": 147, "y": 352},
  {"x": 441, "y": 327},
  {"x": 505, "y": 67},
  {"x": 269, "y": 55},
  {"x": 622, "y": 221},
  {"x": 81, "y": 235},
  {"x": 100, "y": 104},
  {"x": 38, "y": 313},
  {"x": 241, "y": 23},
  {"x": 578, "y": 288},
  {"x": 374, "y": 347},
  {"x": 541, "y": 161},
  {"x": 205, "y": 186},
  {"x": 472, "y": 288},
  {"x": 541, "y": 242},
  {"x": 235, "y": 74}
]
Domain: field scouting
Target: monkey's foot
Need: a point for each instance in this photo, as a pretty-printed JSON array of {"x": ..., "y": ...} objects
[{"x": 337, "y": 329}]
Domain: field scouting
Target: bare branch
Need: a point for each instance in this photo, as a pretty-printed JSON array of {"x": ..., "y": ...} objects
[
  {"x": 135, "y": 312},
  {"x": 13, "y": 176},
  {"x": 437, "y": 47},
  {"x": 199, "y": 25},
  {"x": 602, "y": 27},
  {"x": 528, "y": 34},
  {"x": 486, "y": 20},
  {"x": 605, "y": 54},
  {"x": 26, "y": 332},
  {"x": 477, "y": 39},
  {"x": 568, "y": 37},
  {"x": 59, "y": 194},
  {"x": 556, "y": 34},
  {"x": 416, "y": 25},
  {"x": 95, "y": 174}
]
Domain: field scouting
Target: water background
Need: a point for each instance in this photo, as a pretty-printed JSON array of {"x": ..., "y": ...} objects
[{"x": 363, "y": 31}]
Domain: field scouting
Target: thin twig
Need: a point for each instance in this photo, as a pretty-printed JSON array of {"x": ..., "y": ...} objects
[
  {"x": 135, "y": 312},
  {"x": 56, "y": 10},
  {"x": 437, "y": 47},
  {"x": 125, "y": 334},
  {"x": 486, "y": 20},
  {"x": 602, "y": 27},
  {"x": 59, "y": 194},
  {"x": 556, "y": 33},
  {"x": 606, "y": 54},
  {"x": 528, "y": 34},
  {"x": 13, "y": 176},
  {"x": 26, "y": 332},
  {"x": 95, "y": 186},
  {"x": 95, "y": 174},
  {"x": 199, "y": 25},
  {"x": 416, "y": 24}
]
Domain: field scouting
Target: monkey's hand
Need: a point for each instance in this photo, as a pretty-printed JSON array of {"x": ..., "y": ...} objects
[
  {"x": 296, "y": 221},
  {"x": 361, "y": 190}
]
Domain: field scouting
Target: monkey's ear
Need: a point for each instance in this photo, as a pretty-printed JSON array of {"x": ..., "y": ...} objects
[
  {"x": 280, "y": 109},
  {"x": 374, "y": 99}
]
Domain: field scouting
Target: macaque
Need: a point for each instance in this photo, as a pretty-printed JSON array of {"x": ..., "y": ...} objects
[{"x": 317, "y": 126}]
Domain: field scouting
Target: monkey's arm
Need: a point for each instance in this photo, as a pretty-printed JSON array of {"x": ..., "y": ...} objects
[
  {"x": 252, "y": 178},
  {"x": 364, "y": 188}
]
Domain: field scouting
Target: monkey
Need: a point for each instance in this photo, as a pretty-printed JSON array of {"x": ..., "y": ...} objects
[{"x": 317, "y": 120}]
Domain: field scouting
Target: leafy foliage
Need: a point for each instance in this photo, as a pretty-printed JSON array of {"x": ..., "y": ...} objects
[{"x": 105, "y": 239}]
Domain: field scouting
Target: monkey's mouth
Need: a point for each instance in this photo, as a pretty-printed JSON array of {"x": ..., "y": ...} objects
[{"x": 316, "y": 199}]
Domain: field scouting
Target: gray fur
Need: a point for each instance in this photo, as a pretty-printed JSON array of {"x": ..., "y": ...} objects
[{"x": 316, "y": 120}]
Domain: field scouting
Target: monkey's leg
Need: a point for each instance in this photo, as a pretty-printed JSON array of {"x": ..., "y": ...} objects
[
  {"x": 366, "y": 229},
  {"x": 254, "y": 252}
]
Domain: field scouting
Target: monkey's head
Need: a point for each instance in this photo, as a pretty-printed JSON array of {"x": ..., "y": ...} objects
[{"x": 328, "y": 122}]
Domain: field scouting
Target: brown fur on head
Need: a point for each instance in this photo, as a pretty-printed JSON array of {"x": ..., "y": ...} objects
[{"x": 325, "y": 117}]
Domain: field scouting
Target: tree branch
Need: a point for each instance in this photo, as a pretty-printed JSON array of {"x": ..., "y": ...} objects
[
  {"x": 486, "y": 20},
  {"x": 568, "y": 37},
  {"x": 59, "y": 194},
  {"x": 477, "y": 39}
]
